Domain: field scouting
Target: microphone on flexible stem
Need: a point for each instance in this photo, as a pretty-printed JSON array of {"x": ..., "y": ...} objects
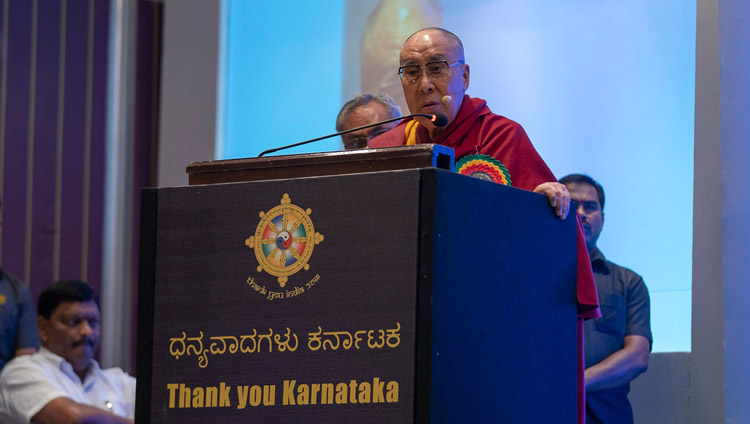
[{"x": 439, "y": 120}]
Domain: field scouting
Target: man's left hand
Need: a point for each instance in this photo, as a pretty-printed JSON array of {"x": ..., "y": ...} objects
[{"x": 558, "y": 196}]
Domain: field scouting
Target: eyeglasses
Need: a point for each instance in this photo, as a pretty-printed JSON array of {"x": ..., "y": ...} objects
[
  {"x": 435, "y": 70},
  {"x": 362, "y": 141}
]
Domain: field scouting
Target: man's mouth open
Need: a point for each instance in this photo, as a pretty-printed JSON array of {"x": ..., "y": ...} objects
[{"x": 430, "y": 106}]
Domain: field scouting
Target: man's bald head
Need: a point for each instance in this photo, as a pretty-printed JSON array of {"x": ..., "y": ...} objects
[{"x": 450, "y": 37}]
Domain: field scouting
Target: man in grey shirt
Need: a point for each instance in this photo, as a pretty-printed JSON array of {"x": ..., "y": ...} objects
[{"x": 618, "y": 344}]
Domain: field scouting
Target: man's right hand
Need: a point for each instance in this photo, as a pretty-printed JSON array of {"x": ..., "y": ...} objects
[{"x": 558, "y": 195}]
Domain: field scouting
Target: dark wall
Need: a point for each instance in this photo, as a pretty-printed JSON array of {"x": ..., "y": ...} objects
[{"x": 146, "y": 131}]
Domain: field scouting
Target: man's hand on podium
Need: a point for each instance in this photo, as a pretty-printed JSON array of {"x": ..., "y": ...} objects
[{"x": 558, "y": 195}]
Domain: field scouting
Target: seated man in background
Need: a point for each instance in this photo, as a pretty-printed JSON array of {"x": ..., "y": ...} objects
[
  {"x": 62, "y": 383},
  {"x": 618, "y": 344},
  {"x": 366, "y": 109},
  {"x": 18, "y": 333}
]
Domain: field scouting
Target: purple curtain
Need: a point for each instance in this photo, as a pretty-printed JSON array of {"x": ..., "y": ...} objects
[{"x": 53, "y": 82}]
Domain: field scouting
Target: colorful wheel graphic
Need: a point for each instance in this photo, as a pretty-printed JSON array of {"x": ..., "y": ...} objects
[
  {"x": 483, "y": 167},
  {"x": 284, "y": 240}
]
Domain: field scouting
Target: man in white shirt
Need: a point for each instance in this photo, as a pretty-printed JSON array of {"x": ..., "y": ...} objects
[{"x": 62, "y": 383}]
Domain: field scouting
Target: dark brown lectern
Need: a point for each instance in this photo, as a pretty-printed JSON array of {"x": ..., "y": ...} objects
[{"x": 393, "y": 296}]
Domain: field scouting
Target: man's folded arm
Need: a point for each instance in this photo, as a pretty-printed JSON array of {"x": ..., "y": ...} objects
[
  {"x": 63, "y": 410},
  {"x": 621, "y": 367}
]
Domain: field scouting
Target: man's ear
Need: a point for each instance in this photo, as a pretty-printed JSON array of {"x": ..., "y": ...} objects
[
  {"x": 466, "y": 77},
  {"x": 41, "y": 325}
]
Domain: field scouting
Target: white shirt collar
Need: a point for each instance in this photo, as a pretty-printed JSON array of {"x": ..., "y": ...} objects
[{"x": 67, "y": 368}]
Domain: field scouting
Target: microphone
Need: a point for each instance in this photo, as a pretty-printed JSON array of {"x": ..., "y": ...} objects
[
  {"x": 439, "y": 120},
  {"x": 450, "y": 97}
]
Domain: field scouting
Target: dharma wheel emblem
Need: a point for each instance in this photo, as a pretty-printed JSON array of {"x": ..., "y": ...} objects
[{"x": 284, "y": 240}]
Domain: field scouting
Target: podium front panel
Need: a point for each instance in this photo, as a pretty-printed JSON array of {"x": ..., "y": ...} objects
[
  {"x": 284, "y": 301},
  {"x": 501, "y": 278},
  {"x": 399, "y": 296}
]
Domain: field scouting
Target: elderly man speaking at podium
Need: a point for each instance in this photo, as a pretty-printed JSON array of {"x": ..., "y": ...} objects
[{"x": 435, "y": 76}]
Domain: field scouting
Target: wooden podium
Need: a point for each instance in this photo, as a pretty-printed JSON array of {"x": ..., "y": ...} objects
[{"x": 367, "y": 295}]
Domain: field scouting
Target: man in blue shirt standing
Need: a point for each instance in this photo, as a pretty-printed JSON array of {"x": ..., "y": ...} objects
[
  {"x": 18, "y": 331},
  {"x": 618, "y": 344}
]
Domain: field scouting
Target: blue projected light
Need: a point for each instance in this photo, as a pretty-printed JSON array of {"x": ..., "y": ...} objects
[
  {"x": 602, "y": 88},
  {"x": 283, "y": 73}
]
